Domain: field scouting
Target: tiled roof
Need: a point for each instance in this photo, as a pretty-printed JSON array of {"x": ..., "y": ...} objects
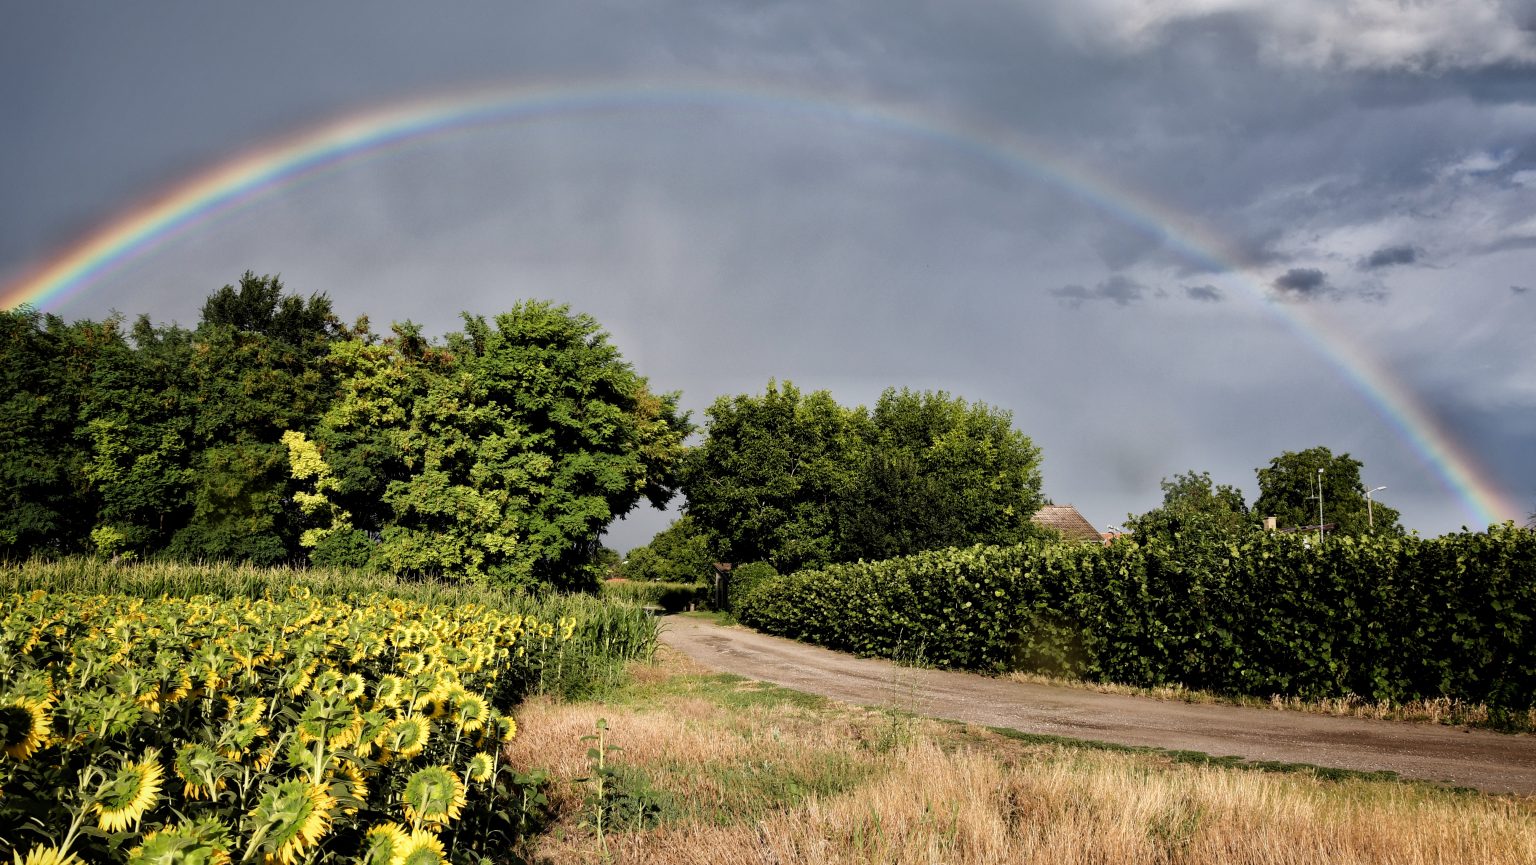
[{"x": 1072, "y": 525}]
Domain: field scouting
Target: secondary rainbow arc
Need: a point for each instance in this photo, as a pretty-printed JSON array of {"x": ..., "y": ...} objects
[{"x": 282, "y": 162}]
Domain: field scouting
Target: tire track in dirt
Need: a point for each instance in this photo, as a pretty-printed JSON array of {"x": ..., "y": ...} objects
[{"x": 1488, "y": 761}]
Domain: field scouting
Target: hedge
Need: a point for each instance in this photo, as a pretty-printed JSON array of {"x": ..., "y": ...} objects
[{"x": 1388, "y": 618}]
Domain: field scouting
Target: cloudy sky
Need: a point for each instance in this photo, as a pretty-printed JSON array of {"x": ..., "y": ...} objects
[{"x": 1164, "y": 235}]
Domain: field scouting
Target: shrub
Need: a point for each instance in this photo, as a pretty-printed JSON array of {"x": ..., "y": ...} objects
[{"x": 744, "y": 579}]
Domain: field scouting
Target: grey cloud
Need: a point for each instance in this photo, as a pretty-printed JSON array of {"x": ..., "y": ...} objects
[
  {"x": 1203, "y": 293},
  {"x": 1390, "y": 256},
  {"x": 1520, "y": 289},
  {"x": 1302, "y": 283},
  {"x": 1118, "y": 289}
]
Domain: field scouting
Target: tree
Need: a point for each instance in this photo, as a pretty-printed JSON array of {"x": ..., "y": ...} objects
[
  {"x": 1288, "y": 490},
  {"x": 1194, "y": 505},
  {"x": 768, "y": 472},
  {"x": 523, "y": 448},
  {"x": 678, "y": 554},
  {"x": 46, "y": 370},
  {"x": 799, "y": 481},
  {"x": 940, "y": 472}
]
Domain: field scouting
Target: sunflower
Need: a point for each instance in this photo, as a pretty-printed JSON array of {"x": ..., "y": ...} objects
[
  {"x": 480, "y": 768},
  {"x": 205, "y": 842},
  {"x": 421, "y": 848},
  {"x": 389, "y": 692},
  {"x": 405, "y": 737},
  {"x": 434, "y": 796},
  {"x": 471, "y": 713},
  {"x": 124, "y": 799},
  {"x": 26, "y": 724},
  {"x": 384, "y": 843},
  {"x": 48, "y": 856},
  {"x": 198, "y": 767},
  {"x": 292, "y": 817}
]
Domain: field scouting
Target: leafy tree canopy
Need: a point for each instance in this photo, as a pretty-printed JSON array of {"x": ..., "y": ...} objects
[
  {"x": 799, "y": 481},
  {"x": 1194, "y": 504},
  {"x": 1288, "y": 490},
  {"x": 678, "y": 554}
]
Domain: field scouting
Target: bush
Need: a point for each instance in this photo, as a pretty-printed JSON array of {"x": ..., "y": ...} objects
[
  {"x": 1387, "y": 618},
  {"x": 744, "y": 579}
]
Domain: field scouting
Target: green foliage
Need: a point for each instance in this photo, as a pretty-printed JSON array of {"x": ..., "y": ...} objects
[
  {"x": 763, "y": 481},
  {"x": 271, "y": 433},
  {"x": 1386, "y": 617},
  {"x": 1193, "y": 504},
  {"x": 678, "y": 554},
  {"x": 1288, "y": 490},
  {"x": 799, "y": 481},
  {"x": 744, "y": 579},
  {"x": 670, "y": 597},
  {"x": 939, "y": 472}
]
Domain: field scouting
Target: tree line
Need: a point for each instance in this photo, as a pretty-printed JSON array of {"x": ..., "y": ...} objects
[{"x": 272, "y": 432}]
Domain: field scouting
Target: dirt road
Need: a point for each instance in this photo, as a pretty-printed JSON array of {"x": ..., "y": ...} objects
[{"x": 1493, "y": 762}]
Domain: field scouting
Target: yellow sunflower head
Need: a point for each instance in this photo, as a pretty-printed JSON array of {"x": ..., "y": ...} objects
[
  {"x": 480, "y": 768},
  {"x": 25, "y": 725},
  {"x": 122, "y": 801},
  {"x": 422, "y": 848},
  {"x": 49, "y": 855},
  {"x": 200, "y": 769},
  {"x": 384, "y": 844},
  {"x": 204, "y": 842},
  {"x": 472, "y": 712},
  {"x": 292, "y": 816},
  {"x": 405, "y": 737},
  {"x": 434, "y": 796}
]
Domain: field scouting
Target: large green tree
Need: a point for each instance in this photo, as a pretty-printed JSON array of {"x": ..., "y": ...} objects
[
  {"x": 47, "y": 370},
  {"x": 1289, "y": 487},
  {"x": 766, "y": 478},
  {"x": 799, "y": 481},
  {"x": 677, "y": 554},
  {"x": 522, "y": 448},
  {"x": 254, "y": 373},
  {"x": 939, "y": 472},
  {"x": 1194, "y": 505}
]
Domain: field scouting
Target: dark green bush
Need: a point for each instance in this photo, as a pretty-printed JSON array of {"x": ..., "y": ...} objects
[
  {"x": 1387, "y": 618},
  {"x": 745, "y": 578}
]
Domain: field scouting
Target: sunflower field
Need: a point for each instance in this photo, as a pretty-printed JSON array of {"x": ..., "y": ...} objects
[{"x": 284, "y": 728}]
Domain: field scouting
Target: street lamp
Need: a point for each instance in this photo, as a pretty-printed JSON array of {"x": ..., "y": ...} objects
[
  {"x": 1370, "y": 520},
  {"x": 1319, "y": 508}
]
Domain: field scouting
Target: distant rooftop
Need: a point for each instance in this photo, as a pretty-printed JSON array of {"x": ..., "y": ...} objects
[{"x": 1067, "y": 520}]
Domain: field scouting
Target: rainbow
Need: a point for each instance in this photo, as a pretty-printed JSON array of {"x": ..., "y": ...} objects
[{"x": 280, "y": 163}]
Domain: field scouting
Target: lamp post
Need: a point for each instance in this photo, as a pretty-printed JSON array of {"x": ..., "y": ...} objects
[
  {"x": 1370, "y": 519},
  {"x": 1319, "y": 508}
]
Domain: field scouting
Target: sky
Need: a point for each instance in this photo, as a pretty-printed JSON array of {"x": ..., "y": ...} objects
[{"x": 1166, "y": 236}]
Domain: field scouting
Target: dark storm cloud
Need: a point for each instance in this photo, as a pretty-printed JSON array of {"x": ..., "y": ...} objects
[
  {"x": 1203, "y": 293},
  {"x": 1301, "y": 283},
  {"x": 1117, "y": 289},
  {"x": 1390, "y": 256}
]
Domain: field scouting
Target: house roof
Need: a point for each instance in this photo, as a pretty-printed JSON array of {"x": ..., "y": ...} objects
[{"x": 1066, "y": 519}]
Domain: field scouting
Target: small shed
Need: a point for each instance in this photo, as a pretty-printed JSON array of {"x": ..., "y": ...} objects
[{"x": 1067, "y": 520}]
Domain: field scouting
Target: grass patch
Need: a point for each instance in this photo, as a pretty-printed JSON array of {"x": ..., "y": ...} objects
[{"x": 760, "y": 773}]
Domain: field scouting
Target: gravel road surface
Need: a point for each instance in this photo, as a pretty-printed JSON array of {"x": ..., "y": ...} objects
[{"x": 1493, "y": 762}]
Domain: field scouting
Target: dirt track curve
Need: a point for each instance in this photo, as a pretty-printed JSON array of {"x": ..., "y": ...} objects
[{"x": 1494, "y": 762}]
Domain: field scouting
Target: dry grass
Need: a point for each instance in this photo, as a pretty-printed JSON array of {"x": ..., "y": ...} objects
[
  {"x": 1441, "y": 710},
  {"x": 755, "y": 774}
]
